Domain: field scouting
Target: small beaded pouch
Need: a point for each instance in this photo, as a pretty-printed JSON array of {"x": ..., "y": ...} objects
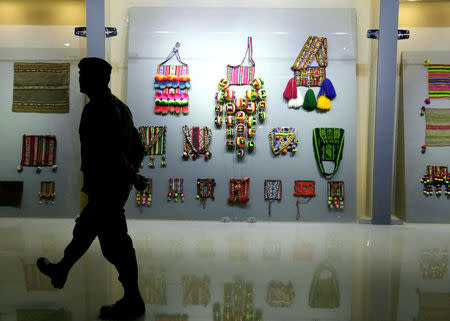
[
  {"x": 172, "y": 83},
  {"x": 272, "y": 192},
  {"x": 243, "y": 75},
  {"x": 144, "y": 197},
  {"x": 175, "y": 189},
  {"x": 205, "y": 189},
  {"x": 436, "y": 176},
  {"x": 239, "y": 189},
  {"x": 305, "y": 191},
  {"x": 283, "y": 139},
  {"x": 328, "y": 146},
  {"x": 47, "y": 192},
  {"x": 154, "y": 139},
  {"x": 196, "y": 141},
  {"x": 38, "y": 151},
  {"x": 336, "y": 194}
]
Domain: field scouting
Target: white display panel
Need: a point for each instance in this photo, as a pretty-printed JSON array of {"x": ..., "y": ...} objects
[{"x": 210, "y": 39}]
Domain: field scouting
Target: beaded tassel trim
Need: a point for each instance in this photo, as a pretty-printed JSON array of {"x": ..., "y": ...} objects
[
  {"x": 239, "y": 189},
  {"x": 196, "y": 142},
  {"x": 272, "y": 192},
  {"x": 175, "y": 190},
  {"x": 436, "y": 177},
  {"x": 47, "y": 192},
  {"x": 38, "y": 151},
  {"x": 205, "y": 189},
  {"x": 154, "y": 139},
  {"x": 283, "y": 139},
  {"x": 336, "y": 194},
  {"x": 305, "y": 191},
  {"x": 172, "y": 83},
  {"x": 144, "y": 197}
]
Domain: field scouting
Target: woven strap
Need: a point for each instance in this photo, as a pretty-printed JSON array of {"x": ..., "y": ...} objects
[
  {"x": 248, "y": 52},
  {"x": 314, "y": 47},
  {"x": 328, "y": 146},
  {"x": 175, "y": 53}
]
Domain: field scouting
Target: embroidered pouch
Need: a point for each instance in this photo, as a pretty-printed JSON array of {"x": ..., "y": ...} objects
[
  {"x": 328, "y": 146},
  {"x": 196, "y": 141},
  {"x": 310, "y": 76},
  {"x": 305, "y": 191},
  {"x": 272, "y": 191},
  {"x": 243, "y": 75},
  {"x": 283, "y": 139},
  {"x": 239, "y": 189},
  {"x": 336, "y": 194},
  {"x": 47, "y": 192}
]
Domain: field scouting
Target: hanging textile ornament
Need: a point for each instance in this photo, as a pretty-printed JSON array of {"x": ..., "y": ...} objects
[
  {"x": 328, "y": 146},
  {"x": 144, "y": 197},
  {"x": 172, "y": 83},
  {"x": 326, "y": 94},
  {"x": 154, "y": 138},
  {"x": 38, "y": 151},
  {"x": 336, "y": 194},
  {"x": 241, "y": 110},
  {"x": 305, "y": 191},
  {"x": 205, "y": 189},
  {"x": 437, "y": 127},
  {"x": 438, "y": 81},
  {"x": 272, "y": 192},
  {"x": 218, "y": 121},
  {"x": 196, "y": 141},
  {"x": 283, "y": 139},
  {"x": 436, "y": 176},
  {"x": 239, "y": 189},
  {"x": 323, "y": 103},
  {"x": 47, "y": 192},
  {"x": 310, "y": 100},
  {"x": 175, "y": 189}
]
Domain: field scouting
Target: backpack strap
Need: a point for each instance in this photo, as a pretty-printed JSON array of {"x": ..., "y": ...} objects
[{"x": 175, "y": 53}]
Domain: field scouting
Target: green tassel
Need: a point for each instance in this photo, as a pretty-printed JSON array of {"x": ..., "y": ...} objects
[{"x": 310, "y": 101}]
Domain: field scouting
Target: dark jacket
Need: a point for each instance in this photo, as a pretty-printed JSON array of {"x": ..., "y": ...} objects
[{"x": 106, "y": 140}]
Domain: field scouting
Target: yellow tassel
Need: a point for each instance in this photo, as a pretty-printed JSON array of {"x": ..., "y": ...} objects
[{"x": 323, "y": 103}]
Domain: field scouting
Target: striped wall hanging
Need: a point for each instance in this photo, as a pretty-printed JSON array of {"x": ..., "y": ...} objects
[
  {"x": 38, "y": 151},
  {"x": 438, "y": 77},
  {"x": 154, "y": 138},
  {"x": 437, "y": 127}
]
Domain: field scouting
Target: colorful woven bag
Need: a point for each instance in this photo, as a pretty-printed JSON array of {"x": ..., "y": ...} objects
[
  {"x": 243, "y": 75},
  {"x": 328, "y": 146}
]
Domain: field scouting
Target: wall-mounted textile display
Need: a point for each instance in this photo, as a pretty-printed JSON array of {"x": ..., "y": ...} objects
[
  {"x": 205, "y": 189},
  {"x": 280, "y": 295},
  {"x": 436, "y": 177},
  {"x": 41, "y": 87},
  {"x": 175, "y": 189},
  {"x": 241, "y": 113},
  {"x": 335, "y": 190},
  {"x": 434, "y": 263},
  {"x": 437, "y": 127},
  {"x": 283, "y": 140},
  {"x": 172, "y": 83},
  {"x": 38, "y": 151},
  {"x": 144, "y": 197},
  {"x": 328, "y": 146},
  {"x": 154, "y": 139},
  {"x": 324, "y": 291},
  {"x": 239, "y": 189},
  {"x": 196, "y": 142},
  {"x": 272, "y": 192},
  {"x": 433, "y": 306},
  {"x": 196, "y": 290},
  {"x": 11, "y": 193},
  {"x": 47, "y": 192},
  {"x": 306, "y": 75},
  {"x": 438, "y": 76},
  {"x": 304, "y": 191}
]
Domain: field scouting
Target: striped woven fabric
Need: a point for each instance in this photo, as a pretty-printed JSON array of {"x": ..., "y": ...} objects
[
  {"x": 41, "y": 87},
  {"x": 240, "y": 75},
  {"x": 438, "y": 81},
  {"x": 154, "y": 138},
  {"x": 437, "y": 130},
  {"x": 38, "y": 150}
]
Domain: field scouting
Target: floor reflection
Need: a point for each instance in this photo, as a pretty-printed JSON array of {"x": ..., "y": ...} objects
[{"x": 237, "y": 272}]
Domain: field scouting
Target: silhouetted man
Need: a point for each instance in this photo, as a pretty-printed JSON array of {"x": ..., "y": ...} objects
[{"x": 111, "y": 152}]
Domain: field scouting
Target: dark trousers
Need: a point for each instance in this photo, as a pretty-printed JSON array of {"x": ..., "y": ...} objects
[{"x": 104, "y": 217}]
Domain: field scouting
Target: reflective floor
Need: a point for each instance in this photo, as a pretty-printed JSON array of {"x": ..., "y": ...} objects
[{"x": 237, "y": 271}]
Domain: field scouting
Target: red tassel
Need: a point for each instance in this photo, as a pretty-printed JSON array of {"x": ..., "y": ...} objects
[{"x": 291, "y": 89}]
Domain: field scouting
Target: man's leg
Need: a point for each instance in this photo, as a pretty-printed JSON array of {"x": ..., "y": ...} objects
[{"x": 84, "y": 234}]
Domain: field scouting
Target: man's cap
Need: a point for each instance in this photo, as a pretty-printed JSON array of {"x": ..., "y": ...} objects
[{"x": 95, "y": 65}]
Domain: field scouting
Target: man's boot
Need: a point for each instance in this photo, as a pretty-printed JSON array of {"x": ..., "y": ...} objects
[{"x": 56, "y": 272}]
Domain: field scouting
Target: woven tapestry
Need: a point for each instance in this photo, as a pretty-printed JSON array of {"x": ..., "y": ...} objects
[
  {"x": 437, "y": 127},
  {"x": 41, "y": 87},
  {"x": 38, "y": 150},
  {"x": 438, "y": 81}
]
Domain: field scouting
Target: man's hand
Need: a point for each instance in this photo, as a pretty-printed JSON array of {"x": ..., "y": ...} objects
[{"x": 140, "y": 182}]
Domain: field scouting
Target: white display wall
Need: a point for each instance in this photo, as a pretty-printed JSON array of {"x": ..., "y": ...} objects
[{"x": 210, "y": 39}]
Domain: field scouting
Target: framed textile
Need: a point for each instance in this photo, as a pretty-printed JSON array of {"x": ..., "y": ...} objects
[
  {"x": 328, "y": 147},
  {"x": 196, "y": 141},
  {"x": 335, "y": 191},
  {"x": 41, "y": 87},
  {"x": 38, "y": 151},
  {"x": 272, "y": 191},
  {"x": 11, "y": 193},
  {"x": 154, "y": 139},
  {"x": 438, "y": 77},
  {"x": 47, "y": 192},
  {"x": 437, "y": 127},
  {"x": 239, "y": 189}
]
